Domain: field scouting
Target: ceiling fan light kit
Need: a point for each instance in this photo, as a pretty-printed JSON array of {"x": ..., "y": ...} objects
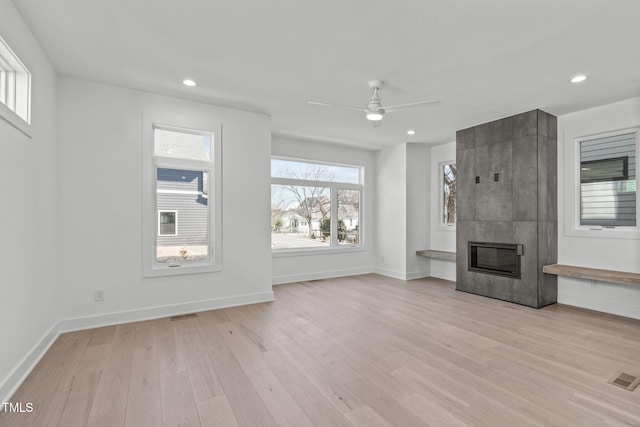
[
  {"x": 374, "y": 116},
  {"x": 374, "y": 111}
]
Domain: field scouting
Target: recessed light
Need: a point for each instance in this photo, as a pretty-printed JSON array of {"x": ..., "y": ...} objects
[
  {"x": 189, "y": 82},
  {"x": 411, "y": 132},
  {"x": 579, "y": 78}
]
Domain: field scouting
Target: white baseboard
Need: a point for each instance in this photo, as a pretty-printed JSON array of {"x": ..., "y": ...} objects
[
  {"x": 292, "y": 278},
  {"x": 391, "y": 273},
  {"x": 118, "y": 318},
  {"x": 418, "y": 274},
  {"x": 613, "y": 298},
  {"x": 610, "y": 307},
  {"x": 401, "y": 274},
  {"x": 10, "y": 384},
  {"x": 443, "y": 274}
]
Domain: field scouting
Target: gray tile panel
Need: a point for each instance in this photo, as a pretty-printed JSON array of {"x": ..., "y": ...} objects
[
  {"x": 525, "y": 124},
  {"x": 466, "y": 209},
  {"x": 525, "y": 176},
  {"x": 544, "y": 169},
  {"x": 543, "y": 123},
  {"x": 465, "y": 139}
]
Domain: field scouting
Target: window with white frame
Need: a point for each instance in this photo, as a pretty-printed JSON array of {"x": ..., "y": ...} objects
[
  {"x": 181, "y": 180},
  {"x": 607, "y": 180},
  {"x": 448, "y": 173},
  {"x": 306, "y": 195},
  {"x": 15, "y": 89}
]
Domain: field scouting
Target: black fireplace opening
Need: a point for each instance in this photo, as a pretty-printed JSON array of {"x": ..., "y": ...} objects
[{"x": 500, "y": 259}]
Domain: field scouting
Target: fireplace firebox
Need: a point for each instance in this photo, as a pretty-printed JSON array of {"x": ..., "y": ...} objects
[{"x": 500, "y": 259}]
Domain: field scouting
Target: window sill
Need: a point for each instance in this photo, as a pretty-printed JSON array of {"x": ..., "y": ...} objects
[
  {"x": 442, "y": 227},
  {"x": 14, "y": 120},
  {"x": 281, "y": 253},
  {"x": 181, "y": 270},
  {"x": 627, "y": 233}
]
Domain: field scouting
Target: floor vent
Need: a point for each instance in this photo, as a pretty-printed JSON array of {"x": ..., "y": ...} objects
[
  {"x": 183, "y": 316},
  {"x": 625, "y": 381}
]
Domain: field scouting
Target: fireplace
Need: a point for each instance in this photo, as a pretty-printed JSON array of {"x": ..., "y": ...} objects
[
  {"x": 507, "y": 191},
  {"x": 500, "y": 259}
]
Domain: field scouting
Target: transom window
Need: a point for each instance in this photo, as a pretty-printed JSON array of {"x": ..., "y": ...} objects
[
  {"x": 15, "y": 89},
  {"x": 306, "y": 196}
]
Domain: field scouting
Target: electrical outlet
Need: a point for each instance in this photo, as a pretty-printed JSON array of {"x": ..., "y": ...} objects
[{"x": 99, "y": 294}]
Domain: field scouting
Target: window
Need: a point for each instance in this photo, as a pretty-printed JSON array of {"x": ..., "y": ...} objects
[
  {"x": 182, "y": 188},
  {"x": 167, "y": 223},
  {"x": 348, "y": 216},
  {"x": 15, "y": 89},
  {"x": 448, "y": 172},
  {"x": 306, "y": 195},
  {"x": 607, "y": 176}
]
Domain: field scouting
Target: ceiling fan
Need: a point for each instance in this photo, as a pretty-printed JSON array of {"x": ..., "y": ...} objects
[{"x": 374, "y": 110}]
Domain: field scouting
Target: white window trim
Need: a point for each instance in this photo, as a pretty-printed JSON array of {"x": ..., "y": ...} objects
[
  {"x": 17, "y": 88},
  {"x": 178, "y": 122},
  {"x": 572, "y": 204},
  {"x": 441, "y": 225},
  {"x": 160, "y": 212},
  {"x": 334, "y": 245},
  {"x": 289, "y": 252}
]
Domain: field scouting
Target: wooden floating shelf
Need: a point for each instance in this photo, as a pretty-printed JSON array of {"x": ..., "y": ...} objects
[
  {"x": 441, "y": 255},
  {"x": 593, "y": 274}
]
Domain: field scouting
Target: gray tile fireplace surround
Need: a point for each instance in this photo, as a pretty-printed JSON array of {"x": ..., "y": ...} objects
[{"x": 516, "y": 206}]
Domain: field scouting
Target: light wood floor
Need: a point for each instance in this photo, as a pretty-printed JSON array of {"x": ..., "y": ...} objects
[{"x": 358, "y": 351}]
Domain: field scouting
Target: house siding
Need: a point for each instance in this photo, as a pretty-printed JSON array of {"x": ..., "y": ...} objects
[
  {"x": 181, "y": 191},
  {"x": 609, "y": 203}
]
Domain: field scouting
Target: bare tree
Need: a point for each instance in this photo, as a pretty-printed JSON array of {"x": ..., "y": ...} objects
[
  {"x": 277, "y": 212},
  {"x": 349, "y": 198},
  {"x": 311, "y": 202},
  {"x": 449, "y": 174}
]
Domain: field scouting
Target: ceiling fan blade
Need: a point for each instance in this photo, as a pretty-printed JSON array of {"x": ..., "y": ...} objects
[
  {"x": 377, "y": 124},
  {"x": 413, "y": 104},
  {"x": 344, "y": 107}
]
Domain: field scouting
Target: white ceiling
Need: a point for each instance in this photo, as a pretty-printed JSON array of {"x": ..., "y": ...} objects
[{"x": 484, "y": 59}]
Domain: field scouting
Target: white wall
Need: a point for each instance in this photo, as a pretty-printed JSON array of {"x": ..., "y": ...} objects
[
  {"x": 28, "y": 248},
  {"x": 590, "y": 251},
  {"x": 443, "y": 238},
  {"x": 294, "y": 267},
  {"x": 100, "y": 215},
  {"x": 418, "y": 199},
  {"x": 391, "y": 208},
  {"x": 406, "y": 202}
]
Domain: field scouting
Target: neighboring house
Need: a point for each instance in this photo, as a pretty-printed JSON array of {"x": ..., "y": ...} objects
[
  {"x": 182, "y": 208},
  {"x": 294, "y": 223},
  {"x": 182, "y": 195},
  {"x": 349, "y": 214},
  {"x": 608, "y": 181}
]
